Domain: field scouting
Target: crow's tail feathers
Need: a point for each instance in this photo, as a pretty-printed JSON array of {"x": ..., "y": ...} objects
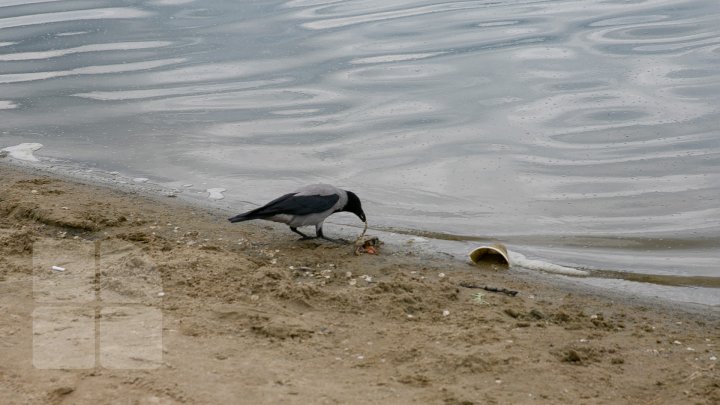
[{"x": 240, "y": 218}]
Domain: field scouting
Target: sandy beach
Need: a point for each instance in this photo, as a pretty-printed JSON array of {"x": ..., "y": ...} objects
[{"x": 183, "y": 307}]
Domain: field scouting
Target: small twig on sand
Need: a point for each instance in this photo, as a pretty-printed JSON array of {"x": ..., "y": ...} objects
[{"x": 511, "y": 293}]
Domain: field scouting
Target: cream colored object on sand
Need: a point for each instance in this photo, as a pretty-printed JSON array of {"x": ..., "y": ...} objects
[{"x": 491, "y": 254}]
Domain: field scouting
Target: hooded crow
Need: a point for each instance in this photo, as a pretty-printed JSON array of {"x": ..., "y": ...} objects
[{"x": 309, "y": 205}]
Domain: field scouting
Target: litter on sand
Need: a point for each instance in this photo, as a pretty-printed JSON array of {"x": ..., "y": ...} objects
[
  {"x": 58, "y": 268},
  {"x": 491, "y": 254}
]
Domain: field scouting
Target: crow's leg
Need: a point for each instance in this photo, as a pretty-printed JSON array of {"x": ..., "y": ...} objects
[
  {"x": 319, "y": 232},
  {"x": 304, "y": 237}
]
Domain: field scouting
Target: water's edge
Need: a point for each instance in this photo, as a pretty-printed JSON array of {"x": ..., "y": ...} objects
[{"x": 692, "y": 292}]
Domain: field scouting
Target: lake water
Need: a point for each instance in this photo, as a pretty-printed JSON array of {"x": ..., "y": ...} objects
[{"x": 582, "y": 133}]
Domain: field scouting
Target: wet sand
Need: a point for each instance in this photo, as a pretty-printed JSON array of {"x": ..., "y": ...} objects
[{"x": 248, "y": 314}]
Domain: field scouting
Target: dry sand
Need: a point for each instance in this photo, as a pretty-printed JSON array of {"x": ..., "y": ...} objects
[{"x": 248, "y": 314}]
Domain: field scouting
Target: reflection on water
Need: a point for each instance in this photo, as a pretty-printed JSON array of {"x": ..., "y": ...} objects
[{"x": 538, "y": 123}]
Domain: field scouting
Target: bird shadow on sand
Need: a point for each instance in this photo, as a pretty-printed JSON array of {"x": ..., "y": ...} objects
[{"x": 318, "y": 242}]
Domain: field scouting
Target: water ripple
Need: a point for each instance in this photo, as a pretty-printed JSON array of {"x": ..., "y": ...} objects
[
  {"x": 122, "y": 95},
  {"x": 390, "y": 15},
  {"x": 12, "y": 3},
  {"x": 395, "y": 58},
  {"x": 116, "y": 46},
  {"x": 75, "y": 15},
  {"x": 656, "y": 36},
  {"x": 89, "y": 70}
]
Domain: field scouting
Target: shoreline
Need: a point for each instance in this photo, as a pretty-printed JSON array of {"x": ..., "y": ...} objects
[
  {"x": 249, "y": 312},
  {"x": 646, "y": 287},
  {"x": 570, "y": 282}
]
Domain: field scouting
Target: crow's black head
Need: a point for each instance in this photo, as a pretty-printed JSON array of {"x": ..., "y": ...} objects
[{"x": 353, "y": 205}]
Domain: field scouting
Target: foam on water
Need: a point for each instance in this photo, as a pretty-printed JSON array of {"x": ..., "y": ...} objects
[
  {"x": 518, "y": 259},
  {"x": 23, "y": 151},
  {"x": 7, "y": 105}
]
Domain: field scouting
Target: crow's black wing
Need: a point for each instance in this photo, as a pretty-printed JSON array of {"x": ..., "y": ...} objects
[
  {"x": 291, "y": 204},
  {"x": 301, "y": 204}
]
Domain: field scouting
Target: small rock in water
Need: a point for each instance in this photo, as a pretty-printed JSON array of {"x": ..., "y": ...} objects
[
  {"x": 141, "y": 180},
  {"x": 216, "y": 193}
]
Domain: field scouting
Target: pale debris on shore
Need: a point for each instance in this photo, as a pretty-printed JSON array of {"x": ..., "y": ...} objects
[{"x": 216, "y": 193}]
